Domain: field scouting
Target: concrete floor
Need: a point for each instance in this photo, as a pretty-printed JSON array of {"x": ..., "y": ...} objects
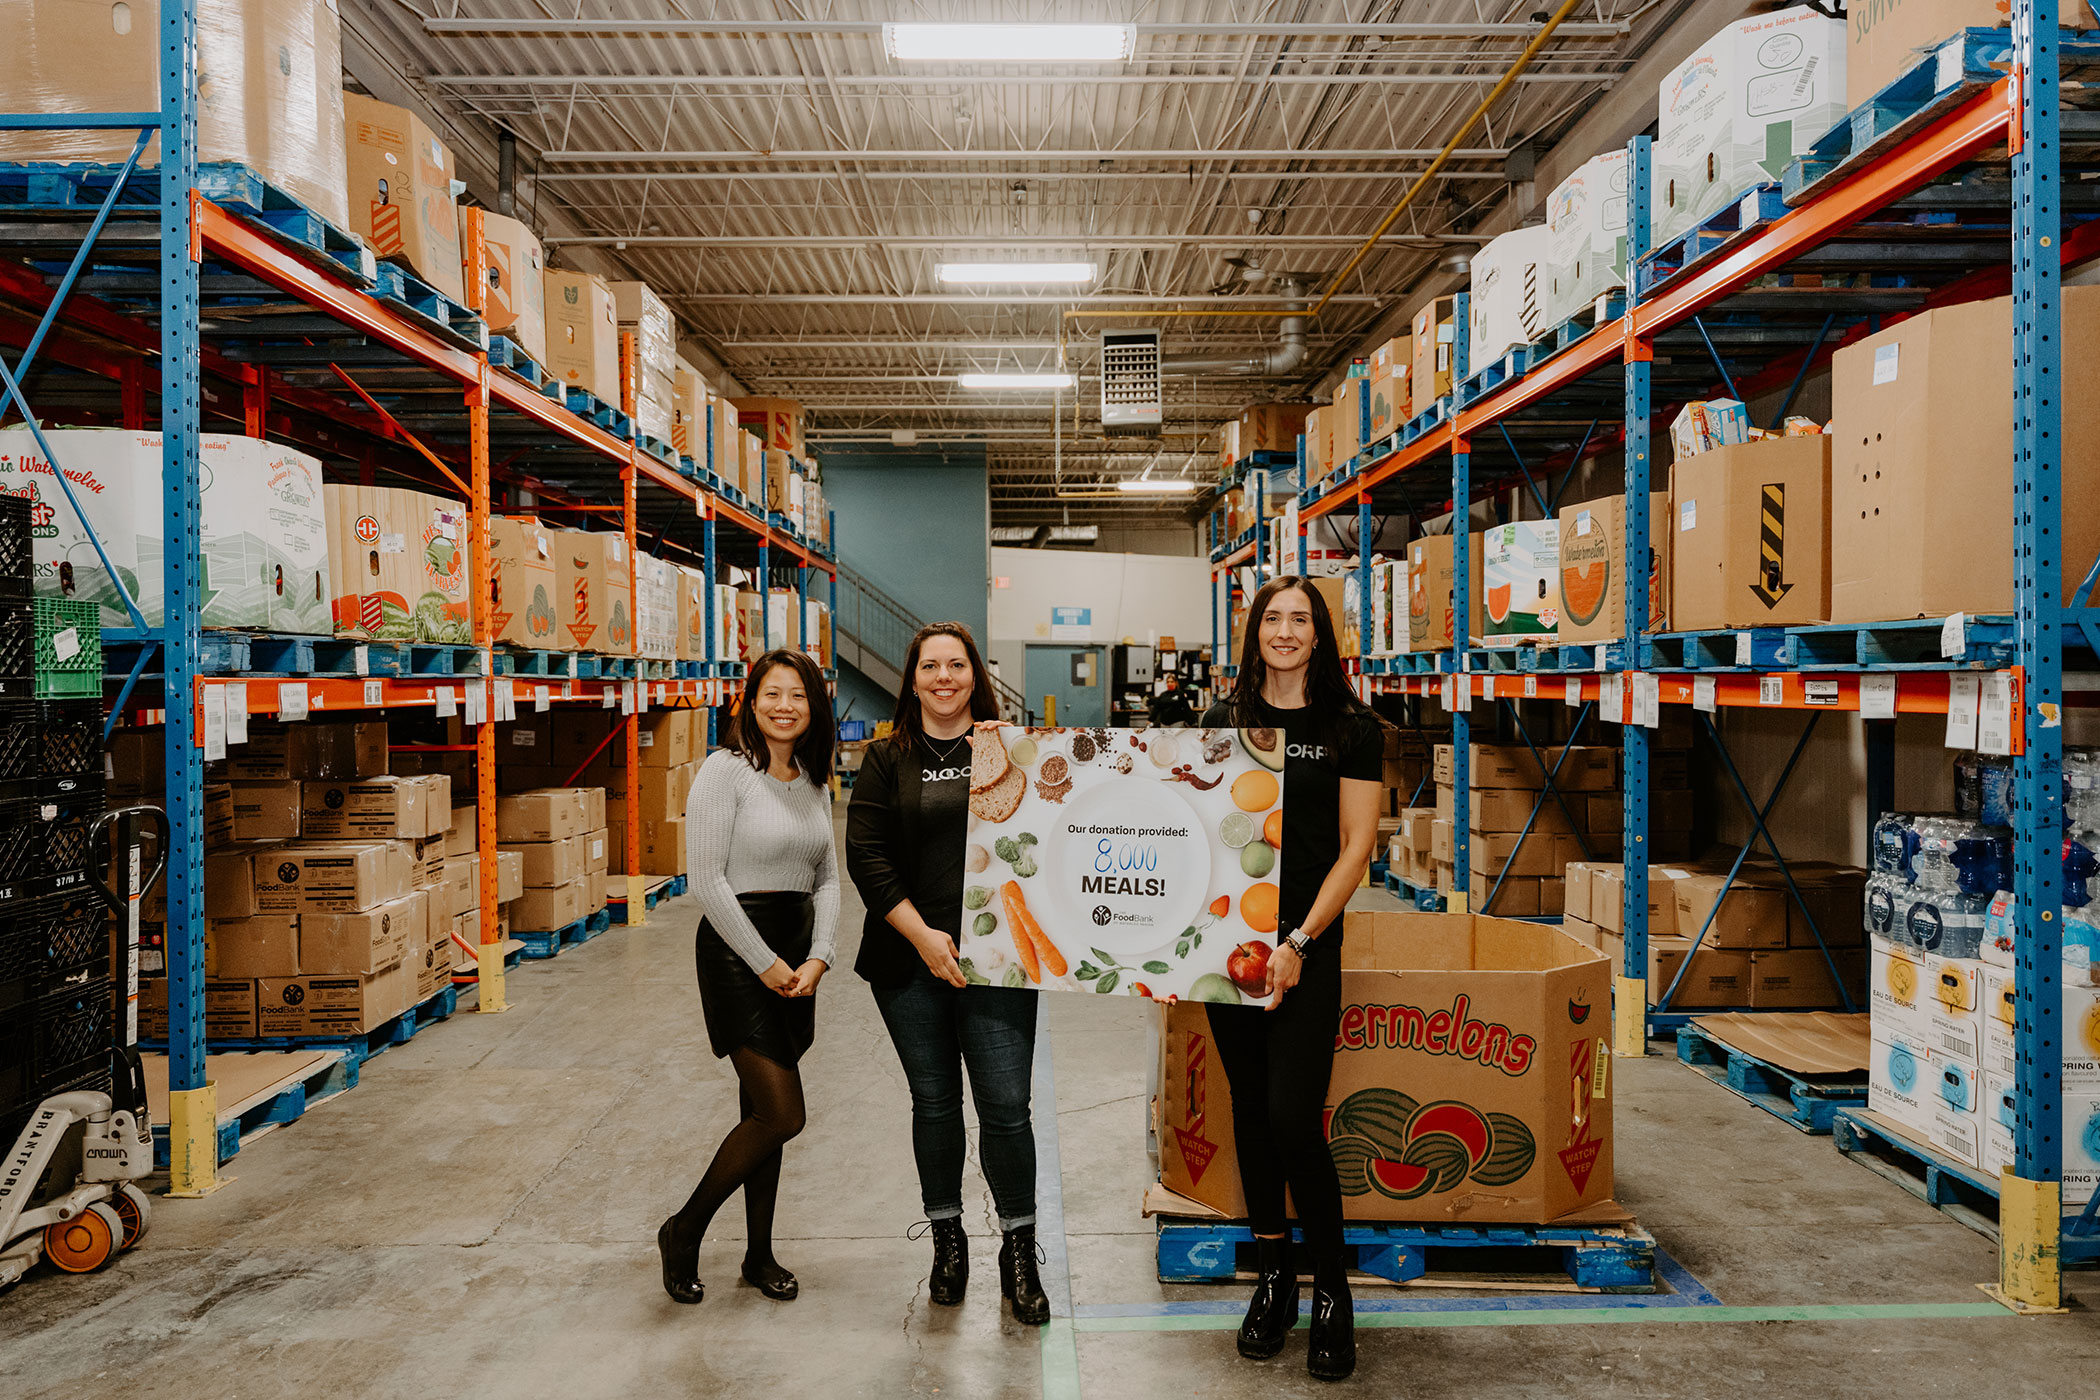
[{"x": 478, "y": 1218}]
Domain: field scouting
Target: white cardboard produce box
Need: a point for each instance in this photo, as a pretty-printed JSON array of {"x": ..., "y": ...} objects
[
  {"x": 1587, "y": 254},
  {"x": 1509, "y": 294}
]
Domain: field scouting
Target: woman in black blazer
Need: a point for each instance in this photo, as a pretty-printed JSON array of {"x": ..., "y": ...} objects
[{"x": 905, "y": 835}]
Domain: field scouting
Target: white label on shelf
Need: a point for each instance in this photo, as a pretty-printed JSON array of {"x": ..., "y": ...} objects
[
  {"x": 291, "y": 700},
  {"x": 375, "y": 693},
  {"x": 1531, "y": 687},
  {"x": 1487, "y": 687},
  {"x": 1877, "y": 697},
  {"x": 1886, "y": 359},
  {"x": 214, "y": 723},
  {"x": 607, "y": 698},
  {"x": 626, "y": 697},
  {"x": 361, "y": 659},
  {"x": 541, "y": 699},
  {"x": 237, "y": 712},
  {"x": 1649, "y": 691},
  {"x": 1994, "y": 718},
  {"x": 150, "y": 960},
  {"x": 1963, "y": 688},
  {"x": 66, "y": 643},
  {"x": 477, "y": 702},
  {"x": 1819, "y": 692},
  {"x": 1745, "y": 650},
  {"x": 506, "y": 700},
  {"x": 659, "y": 692},
  {"x": 1771, "y": 690},
  {"x": 1450, "y": 702},
  {"x": 1573, "y": 694},
  {"x": 445, "y": 701},
  {"x": 1613, "y": 706},
  {"x": 1954, "y": 639},
  {"x": 1703, "y": 694},
  {"x": 568, "y": 690}
]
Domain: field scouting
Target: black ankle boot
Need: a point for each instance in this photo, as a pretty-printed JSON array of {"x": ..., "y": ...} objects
[
  {"x": 681, "y": 1268},
  {"x": 1019, "y": 1283},
  {"x": 951, "y": 1262},
  {"x": 1331, "y": 1355},
  {"x": 1273, "y": 1310}
]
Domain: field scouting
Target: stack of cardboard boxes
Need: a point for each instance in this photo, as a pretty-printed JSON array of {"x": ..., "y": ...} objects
[
  {"x": 559, "y": 836},
  {"x": 1506, "y": 787},
  {"x": 400, "y": 565},
  {"x": 536, "y": 755},
  {"x": 641, "y": 313},
  {"x": 461, "y": 900}
]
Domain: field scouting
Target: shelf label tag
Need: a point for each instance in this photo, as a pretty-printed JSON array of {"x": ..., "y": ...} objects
[
  {"x": 1953, "y": 634},
  {"x": 445, "y": 701},
  {"x": 1745, "y": 652},
  {"x": 1487, "y": 687},
  {"x": 607, "y": 698},
  {"x": 568, "y": 690},
  {"x": 1963, "y": 689},
  {"x": 361, "y": 659},
  {"x": 1703, "y": 694},
  {"x": 214, "y": 723},
  {"x": 1877, "y": 697},
  {"x": 1648, "y": 692},
  {"x": 1819, "y": 692},
  {"x": 477, "y": 702},
  {"x": 291, "y": 700},
  {"x": 1531, "y": 687},
  {"x": 375, "y": 693},
  {"x": 237, "y": 712},
  {"x": 1573, "y": 696},
  {"x": 1994, "y": 718},
  {"x": 659, "y": 692},
  {"x": 626, "y": 697},
  {"x": 540, "y": 699},
  {"x": 1771, "y": 690}
]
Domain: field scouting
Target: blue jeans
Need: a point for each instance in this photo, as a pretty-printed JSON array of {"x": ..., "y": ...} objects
[{"x": 940, "y": 1031}]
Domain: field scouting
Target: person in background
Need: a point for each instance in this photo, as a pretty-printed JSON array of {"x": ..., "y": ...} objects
[
  {"x": 905, "y": 833},
  {"x": 759, "y": 850},
  {"x": 1278, "y": 1058},
  {"x": 1170, "y": 707}
]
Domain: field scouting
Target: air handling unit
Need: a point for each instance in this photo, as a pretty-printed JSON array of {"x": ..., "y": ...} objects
[{"x": 1130, "y": 389}]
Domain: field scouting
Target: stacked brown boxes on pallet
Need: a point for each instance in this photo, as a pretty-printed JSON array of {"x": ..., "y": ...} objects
[
  {"x": 583, "y": 334},
  {"x": 559, "y": 834},
  {"x": 463, "y": 866},
  {"x": 401, "y": 197},
  {"x": 641, "y": 313},
  {"x": 1513, "y": 877},
  {"x": 515, "y": 305}
]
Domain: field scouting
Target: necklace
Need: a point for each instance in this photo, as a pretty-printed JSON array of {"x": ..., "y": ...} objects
[{"x": 955, "y": 746}]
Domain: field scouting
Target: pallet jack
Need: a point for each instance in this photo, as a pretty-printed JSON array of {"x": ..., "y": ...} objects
[{"x": 67, "y": 1191}]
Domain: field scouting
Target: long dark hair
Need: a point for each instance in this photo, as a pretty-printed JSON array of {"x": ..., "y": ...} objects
[
  {"x": 1328, "y": 696},
  {"x": 814, "y": 749},
  {"x": 905, "y": 726}
]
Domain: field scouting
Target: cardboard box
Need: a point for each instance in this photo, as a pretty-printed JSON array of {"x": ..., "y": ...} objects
[
  {"x": 229, "y": 1008},
  {"x": 1348, "y": 420},
  {"x": 1717, "y": 979},
  {"x": 1836, "y": 900},
  {"x": 547, "y": 864},
  {"x": 598, "y": 852},
  {"x": 1586, "y": 252},
  {"x": 1902, "y": 1082},
  {"x": 510, "y": 876},
  {"x": 1498, "y": 852},
  {"x": 544, "y": 910},
  {"x": 663, "y": 847},
  {"x": 266, "y": 945},
  {"x": 777, "y": 422},
  {"x": 462, "y": 887},
  {"x": 430, "y": 957},
  {"x": 463, "y": 836},
  {"x": 641, "y": 313},
  {"x": 1504, "y": 1025},
  {"x": 1593, "y": 569},
  {"x": 1729, "y": 565},
  {"x": 1607, "y": 898},
  {"x": 1751, "y": 915},
  {"x": 1515, "y": 896},
  {"x": 1435, "y": 332},
  {"x": 656, "y": 634},
  {"x": 337, "y": 750},
  {"x": 1955, "y": 1009},
  {"x": 1739, "y": 108},
  {"x": 1921, "y": 437},
  {"x": 594, "y": 578},
  {"x": 377, "y": 808},
  {"x": 583, "y": 334},
  {"x": 375, "y": 574},
  {"x": 664, "y": 791},
  {"x": 343, "y": 876},
  {"x": 401, "y": 198},
  {"x": 1899, "y": 990},
  {"x": 524, "y": 583},
  {"x": 1587, "y": 767},
  {"x": 1388, "y": 405},
  {"x": 543, "y": 814},
  {"x": 426, "y": 856},
  {"x": 1429, "y": 579},
  {"x": 1509, "y": 294},
  {"x": 1395, "y": 356},
  {"x": 1520, "y": 576},
  {"x": 265, "y": 811},
  {"x": 689, "y": 398},
  {"x": 1271, "y": 427},
  {"x": 515, "y": 305},
  {"x": 262, "y": 531},
  {"x": 339, "y": 1004},
  {"x": 366, "y": 940},
  {"x": 1799, "y": 978},
  {"x": 1508, "y": 809},
  {"x": 1884, "y": 40}
]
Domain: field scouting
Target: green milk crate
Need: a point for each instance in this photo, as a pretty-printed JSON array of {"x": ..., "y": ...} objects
[{"x": 68, "y": 648}]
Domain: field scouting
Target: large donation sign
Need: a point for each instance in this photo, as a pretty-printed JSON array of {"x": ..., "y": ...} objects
[{"x": 1121, "y": 861}]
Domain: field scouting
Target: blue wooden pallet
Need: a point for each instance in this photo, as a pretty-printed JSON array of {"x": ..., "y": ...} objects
[
  {"x": 1407, "y": 663},
  {"x": 1807, "y": 1102},
  {"x": 288, "y": 1105},
  {"x": 1434, "y": 416},
  {"x": 593, "y": 409},
  {"x": 1601, "y": 1259},
  {"x": 544, "y": 945},
  {"x": 356, "y": 1048},
  {"x": 1712, "y": 651},
  {"x": 505, "y": 353},
  {"x": 405, "y": 291},
  {"x": 1531, "y": 658},
  {"x": 431, "y": 659},
  {"x": 285, "y": 654},
  {"x": 540, "y": 663},
  {"x": 669, "y": 888},
  {"x": 656, "y": 447},
  {"x": 43, "y": 187},
  {"x": 1910, "y": 645},
  {"x": 1748, "y": 211},
  {"x": 623, "y": 668},
  {"x": 1505, "y": 369},
  {"x": 1420, "y": 896},
  {"x": 1962, "y": 1193}
]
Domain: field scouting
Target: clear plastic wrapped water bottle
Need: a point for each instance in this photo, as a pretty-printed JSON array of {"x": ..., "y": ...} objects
[
  {"x": 1983, "y": 785},
  {"x": 1935, "y": 894},
  {"x": 1888, "y": 885},
  {"x": 2081, "y": 916},
  {"x": 1982, "y": 858}
]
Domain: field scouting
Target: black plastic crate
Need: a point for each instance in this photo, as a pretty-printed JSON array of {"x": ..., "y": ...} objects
[
  {"x": 15, "y": 1113},
  {"x": 17, "y": 645},
  {"x": 44, "y": 838},
  {"x": 18, "y": 1080},
  {"x": 21, "y": 739},
  {"x": 69, "y": 737},
  {"x": 17, "y": 549},
  {"x": 73, "y": 1027},
  {"x": 51, "y": 942}
]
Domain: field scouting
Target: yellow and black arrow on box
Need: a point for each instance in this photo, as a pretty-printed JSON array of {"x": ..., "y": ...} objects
[{"x": 1771, "y": 545}]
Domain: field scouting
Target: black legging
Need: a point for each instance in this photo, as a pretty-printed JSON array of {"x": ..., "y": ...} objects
[
  {"x": 1278, "y": 1064},
  {"x": 769, "y": 1096}
]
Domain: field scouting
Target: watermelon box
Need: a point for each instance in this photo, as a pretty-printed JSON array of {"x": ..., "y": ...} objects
[
  {"x": 1472, "y": 1079},
  {"x": 1593, "y": 568},
  {"x": 1520, "y": 579}
]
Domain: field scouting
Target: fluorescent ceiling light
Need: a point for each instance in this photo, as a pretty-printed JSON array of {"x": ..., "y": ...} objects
[
  {"x": 1155, "y": 484},
  {"x": 1015, "y": 274},
  {"x": 1010, "y": 43},
  {"x": 1015, "y": 381}
]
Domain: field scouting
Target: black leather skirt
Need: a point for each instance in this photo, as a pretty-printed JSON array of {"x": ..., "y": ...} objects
[{"x": 740, "y": 1009}]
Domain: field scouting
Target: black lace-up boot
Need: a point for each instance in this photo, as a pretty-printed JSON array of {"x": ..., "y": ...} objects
[
  {"x": 951, "y": 1262},
  {"x": 1019, "y": 1282}
]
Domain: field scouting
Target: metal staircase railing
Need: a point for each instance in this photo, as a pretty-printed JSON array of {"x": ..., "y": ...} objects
[{"x": 871, "y": 632}]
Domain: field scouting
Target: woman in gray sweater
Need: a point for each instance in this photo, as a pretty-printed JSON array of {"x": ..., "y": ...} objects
[{"x": 759, "y": 855}]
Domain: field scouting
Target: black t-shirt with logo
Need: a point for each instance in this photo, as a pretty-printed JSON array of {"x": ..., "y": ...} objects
[
  {"x": 1313, "y": 770},
  {"x": 944, "y": 824}
]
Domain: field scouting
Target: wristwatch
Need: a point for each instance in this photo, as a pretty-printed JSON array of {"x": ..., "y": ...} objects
[{"x": 1298, "y": 942}]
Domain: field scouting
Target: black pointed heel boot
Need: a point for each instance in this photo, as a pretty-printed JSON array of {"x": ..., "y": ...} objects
[
  {"x": 1273, "y": 1311},
  {"x": 951, "y": 1262},
  {"x": 1331, "y": 1356},
  {"x": 1019, "y": 1283},
  {"x": 681, "y": 1270}
]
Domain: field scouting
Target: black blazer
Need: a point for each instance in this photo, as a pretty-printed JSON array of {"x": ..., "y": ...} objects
[{"x": 882, "y": 829}]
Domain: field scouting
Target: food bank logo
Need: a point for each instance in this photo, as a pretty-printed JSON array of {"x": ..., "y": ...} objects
[{"x": 1441, "y": 1032}]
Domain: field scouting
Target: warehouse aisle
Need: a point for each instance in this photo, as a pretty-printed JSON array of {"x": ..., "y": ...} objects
[{"x": 477, "y": 1218}]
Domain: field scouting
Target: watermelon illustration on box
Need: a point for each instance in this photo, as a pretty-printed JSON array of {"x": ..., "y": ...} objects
[
  {"x": 1123, "y": 862},
  {"x": 1520, "y": 579},
  {"x": 1472, "y": 1079}
]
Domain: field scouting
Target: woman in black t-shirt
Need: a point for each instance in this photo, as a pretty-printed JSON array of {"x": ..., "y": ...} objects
[
  {"x": 905, "y": 833},
  {"x": 1278, "y": 1058}
]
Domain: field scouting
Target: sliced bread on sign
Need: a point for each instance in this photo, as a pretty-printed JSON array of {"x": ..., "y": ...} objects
[
  {"x": 989, "y": 764},
  {"x": 1003, "y": 798}
]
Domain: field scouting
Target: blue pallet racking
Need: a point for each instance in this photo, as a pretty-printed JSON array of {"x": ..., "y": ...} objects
[{"x": 1722, "y": 330}]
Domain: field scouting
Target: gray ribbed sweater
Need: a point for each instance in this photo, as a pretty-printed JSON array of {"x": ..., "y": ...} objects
[{"x": 746, "y": 832}]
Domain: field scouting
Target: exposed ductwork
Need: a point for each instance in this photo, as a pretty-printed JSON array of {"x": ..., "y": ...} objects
[{"x": 1287, "y": 356}]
